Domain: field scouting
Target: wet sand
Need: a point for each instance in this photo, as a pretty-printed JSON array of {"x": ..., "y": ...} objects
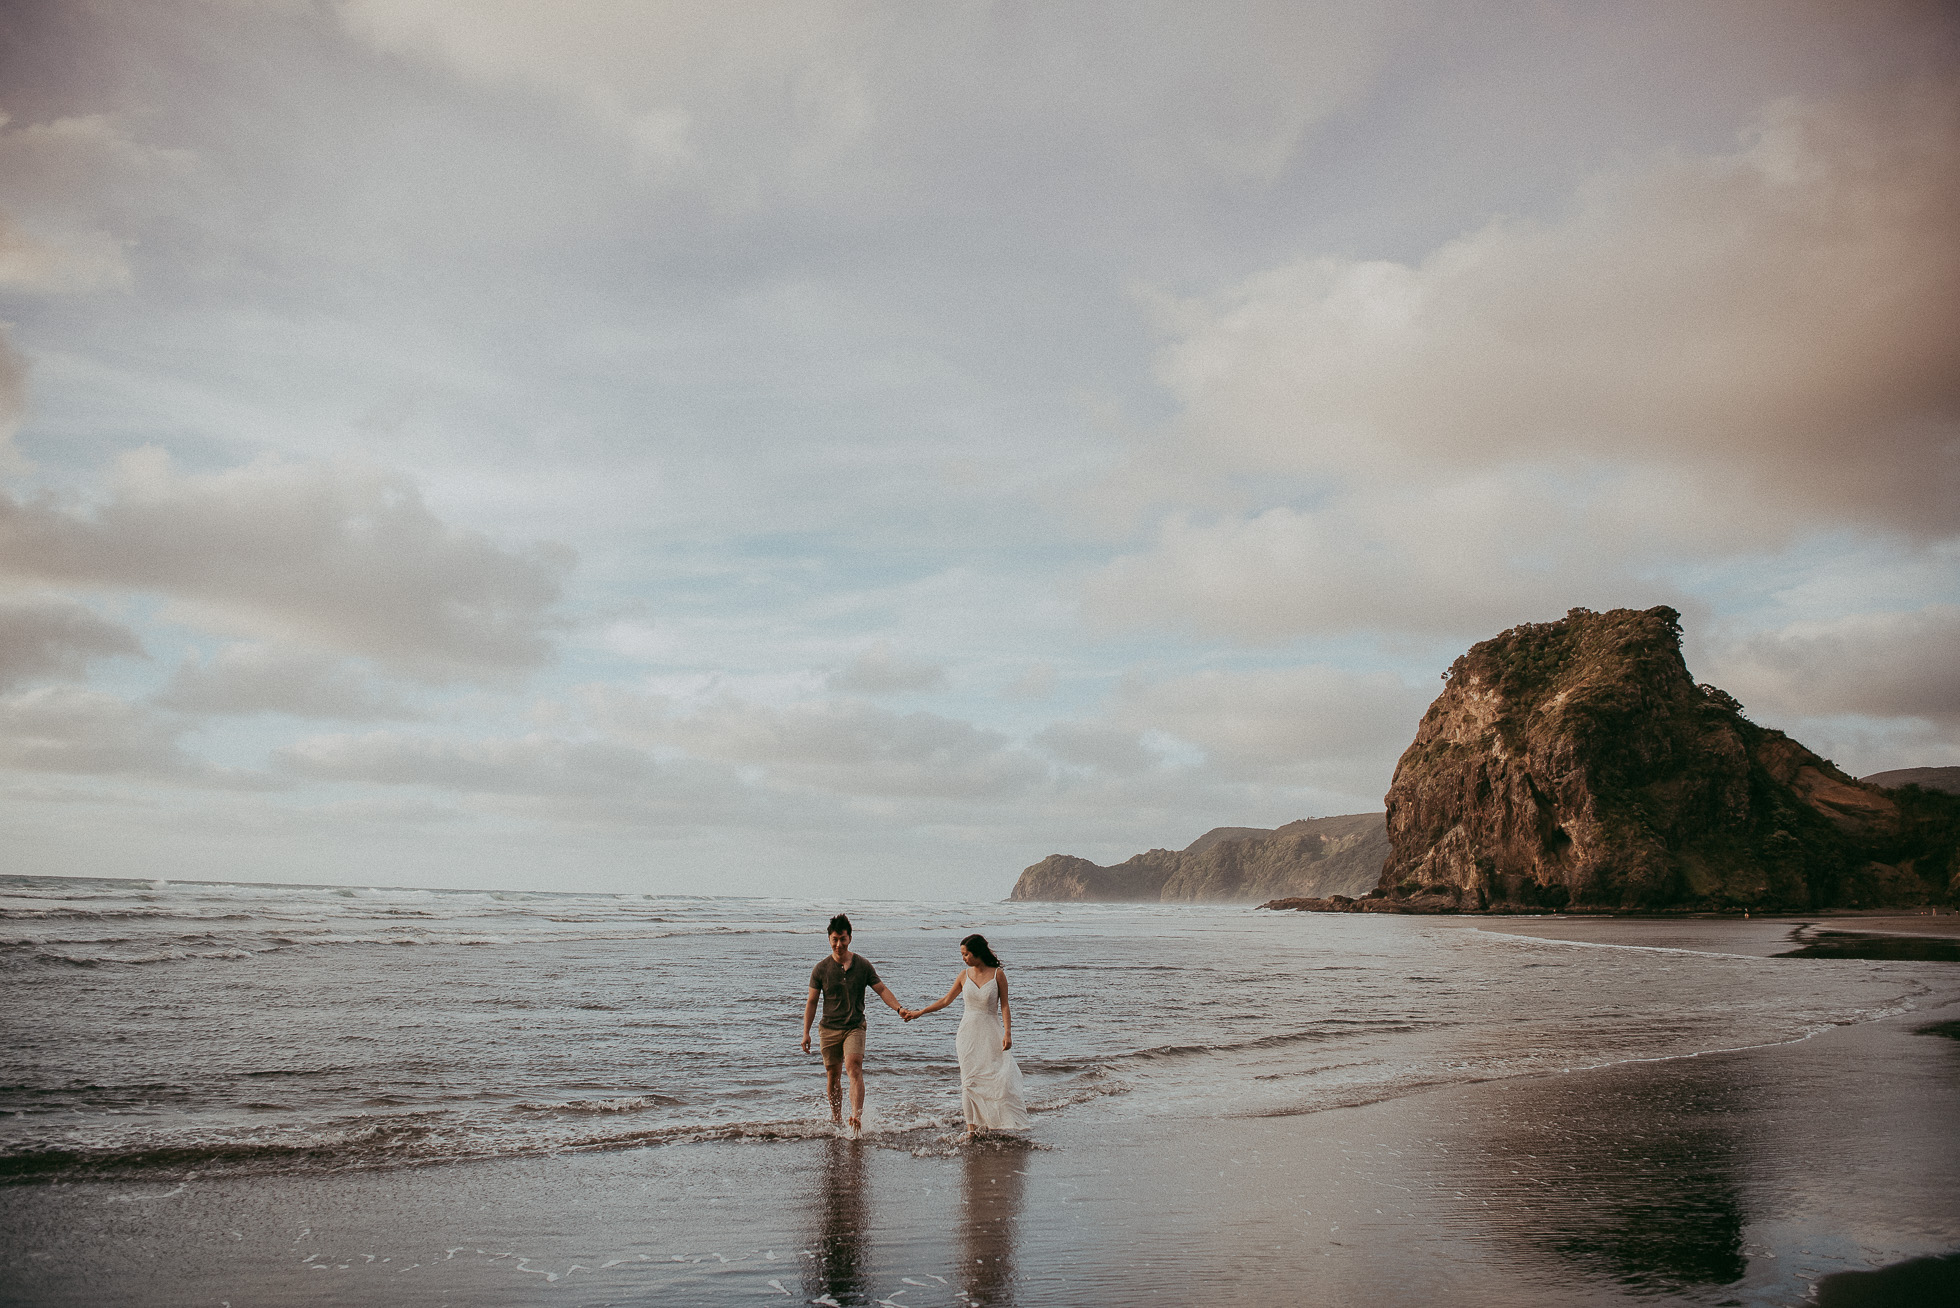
[
  {"x": 1735, "y": 1178},
  {"x": 1905, "y": 937}
]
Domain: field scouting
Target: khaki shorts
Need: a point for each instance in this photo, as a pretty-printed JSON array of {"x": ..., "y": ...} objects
[{"x": 841, "y": 1046}]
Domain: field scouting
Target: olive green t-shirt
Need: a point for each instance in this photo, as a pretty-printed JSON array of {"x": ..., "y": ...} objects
[{"x": 843, "y": 990}]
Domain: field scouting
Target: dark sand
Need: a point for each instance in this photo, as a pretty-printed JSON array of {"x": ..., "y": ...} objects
[
  {"x": 1762, "y": 937},
  {"x": 1733, "y": 1178}
]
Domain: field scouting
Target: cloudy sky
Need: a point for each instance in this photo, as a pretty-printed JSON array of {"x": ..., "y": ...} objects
[{"x": 816, "y": 447}]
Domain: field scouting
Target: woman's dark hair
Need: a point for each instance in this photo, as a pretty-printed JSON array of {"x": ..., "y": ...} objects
[
  {"x": 839, "y": 923},
  {"x": 977, "y": 946}
]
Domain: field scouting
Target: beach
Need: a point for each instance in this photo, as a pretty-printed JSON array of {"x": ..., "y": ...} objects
[{"x": 1562, "y": 1155}]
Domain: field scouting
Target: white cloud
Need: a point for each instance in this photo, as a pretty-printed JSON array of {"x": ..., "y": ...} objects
[
  {"x": 56, "y": 637},
  {"x": 1783, "y": 320},
  {"x": 56, "y": 177},
  {"x": 341, "y": 556},
  {"x": 1300, "y": 726},
  {"x": 843, "y": 746},
  {"x": 536, "y": 764},
  {"x": 1468, "y": 558},
  {"x": 549, "y": 779},
  {"x": 1111, "y": 750},
  {"x": 13, "y": 403},
  {"x": 1708, "y": 357},
  {"x": 32, "y": 264},
  {"x": 747, "y": 103},
  {"x": 60, "y": 161},
  {"x": 878, "y": 671},
  {"x": 71, "y": 729},
  {"x": 258, "y": 678},
  {"x": 1037, "y": 683},
  {"x": 1879, "y": 665}
]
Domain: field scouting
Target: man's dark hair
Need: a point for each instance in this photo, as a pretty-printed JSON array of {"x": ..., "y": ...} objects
[{"x": 839, "y": 923}]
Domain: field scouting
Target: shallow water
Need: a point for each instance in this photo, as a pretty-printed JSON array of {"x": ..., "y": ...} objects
[{"x": 162, "y": 1028}]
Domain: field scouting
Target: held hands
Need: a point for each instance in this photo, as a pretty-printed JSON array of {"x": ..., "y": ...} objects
[{"x": 908, "y": 1013}]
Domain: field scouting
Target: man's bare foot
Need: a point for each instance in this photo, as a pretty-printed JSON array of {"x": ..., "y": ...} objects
[{"x": 854, "y": 1124}]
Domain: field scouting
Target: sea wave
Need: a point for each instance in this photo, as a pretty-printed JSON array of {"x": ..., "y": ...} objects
[
  {"x": 168, "y": 947},
  {"x": 118, "y": 915},
  {"x": 137, "y": 960},
  {"x": 1096, "y": 1083},
  {"x": 394, "y": 1143},
  {"x": 624, "y": 1104},
  {"x": 1331, "y": 1029}
]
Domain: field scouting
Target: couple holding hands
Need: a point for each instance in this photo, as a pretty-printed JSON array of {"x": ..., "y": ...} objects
[{"x": 990, "y": 1080}]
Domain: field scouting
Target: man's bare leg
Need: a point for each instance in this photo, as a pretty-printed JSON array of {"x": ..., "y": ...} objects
[
  {"x": 855, "y": 1068},
  {"x": 831, "y": 1071}
]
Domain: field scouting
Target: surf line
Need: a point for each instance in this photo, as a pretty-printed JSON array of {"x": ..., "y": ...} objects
[{"x": 1607, "y": 944}]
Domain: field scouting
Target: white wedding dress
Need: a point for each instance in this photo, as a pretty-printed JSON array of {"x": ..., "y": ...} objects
[{"x": 990, "y": 1079}]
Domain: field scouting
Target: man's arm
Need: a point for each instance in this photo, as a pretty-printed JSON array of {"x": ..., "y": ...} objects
[
  {"x": 884, "y": 993},
  {"x": 809, "y": 1011}
]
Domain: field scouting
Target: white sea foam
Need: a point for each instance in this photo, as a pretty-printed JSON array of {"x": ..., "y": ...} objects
[{"x": 624, "y": 1104}]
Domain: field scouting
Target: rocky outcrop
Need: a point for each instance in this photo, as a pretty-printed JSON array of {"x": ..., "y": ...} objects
[
  {"x": 1577, "y": 764},
  {"x": 1316, "y": 856},
  {"x": 1065, "y": 877}
]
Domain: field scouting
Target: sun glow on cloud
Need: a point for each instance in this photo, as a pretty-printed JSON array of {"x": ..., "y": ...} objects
[{"x": 865, "y": 449}]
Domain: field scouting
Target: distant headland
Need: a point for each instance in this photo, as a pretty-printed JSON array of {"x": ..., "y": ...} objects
[
  {"x": 1313, "y": 857},
  {"x": 1575, "y": 765}
]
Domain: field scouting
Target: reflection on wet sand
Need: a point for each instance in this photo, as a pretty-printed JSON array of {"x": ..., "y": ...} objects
[
  {"x": 990, "y": 1220},
  {"x": 841, "y": 1267},
  {"x": 1915, "y": 1281},
  {"x": 1635, "y": 1176}
]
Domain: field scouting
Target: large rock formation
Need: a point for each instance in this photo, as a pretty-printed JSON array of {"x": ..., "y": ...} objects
[
  {"x": 1577, "y": 764},
  {"x": 1316, "y": 856}
]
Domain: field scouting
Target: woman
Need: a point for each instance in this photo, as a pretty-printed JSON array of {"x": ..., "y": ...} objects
[{"x": 990, "y": 1080}]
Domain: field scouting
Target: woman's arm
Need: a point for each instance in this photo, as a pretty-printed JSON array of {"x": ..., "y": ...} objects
[
  {"x": 943, "y": 1000},
  {"x": 1006, "y": 1013}
]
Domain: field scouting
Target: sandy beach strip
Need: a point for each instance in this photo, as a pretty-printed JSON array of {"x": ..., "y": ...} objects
[{"x": 1890, "y": 923}]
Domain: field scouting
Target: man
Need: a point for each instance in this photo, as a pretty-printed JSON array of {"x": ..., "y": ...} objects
[{"x": 842, "y": 978}]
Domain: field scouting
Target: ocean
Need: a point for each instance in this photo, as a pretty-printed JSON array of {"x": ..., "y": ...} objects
[
  {"x": 185, "y": 1035},
  {"x": 233, "y": 1028}
]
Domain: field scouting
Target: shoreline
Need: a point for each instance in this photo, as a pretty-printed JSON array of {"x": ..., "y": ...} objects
[
  {"x": 1875, "y": 937},
  {"x": 1407, "y": 908}
]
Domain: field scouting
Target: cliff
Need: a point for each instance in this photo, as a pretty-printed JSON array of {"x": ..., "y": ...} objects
[
  {"x": 1946, "y": 779},
  {"x": 1577, "y": 764},
  {"x": 1316, "y": 856}
]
